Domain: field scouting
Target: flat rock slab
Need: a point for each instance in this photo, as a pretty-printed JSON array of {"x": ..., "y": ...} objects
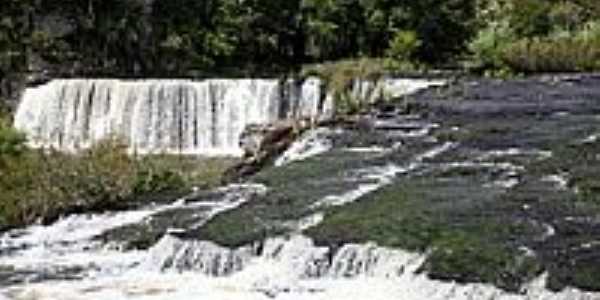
[{"x": 498, "y": 180}]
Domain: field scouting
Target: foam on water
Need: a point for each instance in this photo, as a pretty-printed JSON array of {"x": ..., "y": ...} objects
[
  {"x": 369, "y": 91},
  {"x": 311, "y": 143},
  {"x": 166, "y": 116},
  {"x": 176, "y": 116},
  {"x": 374, "y": 149},
  {"x": 435, "y": 152},
  {"x": 380, "y": 175},
  {"x": 285, "y": 267},
  {"x": 67, "y": 242},
  {"x": 515, "y": 152},
  {"x": 560, "y": 180},
  {"x": 290, "y": 268},
  {"x": 70, "y": 243}
]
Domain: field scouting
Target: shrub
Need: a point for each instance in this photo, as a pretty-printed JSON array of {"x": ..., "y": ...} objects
[
  {"x": 12, "y": 142},
  {"x": 45, "y": 184},
  {"x": 566, "y": 16},
  {"x": 403, "y": 46},
  {"x": 530, "y": 18},
  {"x": 536, "y": 36},
  {"x": 590, "y": 33},
  {"x": 487, "y": 48},
  {"x": 339, "y": 77},
  {"x": 553, "y": 54}
]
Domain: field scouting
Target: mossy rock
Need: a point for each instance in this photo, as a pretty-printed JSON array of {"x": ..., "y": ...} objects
[{"x": 464, "y": 258}]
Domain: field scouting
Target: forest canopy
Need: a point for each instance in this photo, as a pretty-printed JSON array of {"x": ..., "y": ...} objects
[{"x": 195, "y": 38}]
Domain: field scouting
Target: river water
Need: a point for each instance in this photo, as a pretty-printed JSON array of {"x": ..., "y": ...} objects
[{"x": 158, "y": 251}]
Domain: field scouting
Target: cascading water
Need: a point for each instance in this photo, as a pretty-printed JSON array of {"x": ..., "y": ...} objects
[
  {"x": 80, "y": 257},
  {"x": 166, "y": 116},
  {"x": 67, "y": 261},
  {"x": 177, "y": 116}
]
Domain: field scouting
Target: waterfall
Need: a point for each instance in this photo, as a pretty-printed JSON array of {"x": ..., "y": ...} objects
[
  {"x": 178, "y": 116},
  {"x": 161, "y": 116},
  {"x": 295, "y": 256},
  {"x": 295, "y": 268},
  {"x": 172, "y": 254}
]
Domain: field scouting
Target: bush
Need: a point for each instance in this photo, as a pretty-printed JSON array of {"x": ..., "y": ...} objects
[
  {"x": 566, "y": 16},
  {"x": 553, "y": 54},
  {"x": 489, "y": 45},
  {"x": 45, "y": 184},
  {"x": 12, "y": 142},
  {"x": 404, "y": 46},
  {"x": 339, "y": 77},
  {"x": 530, "y": 18},
  {"x": 536, "y": 36},
  {"x": 590, "y": 33}
]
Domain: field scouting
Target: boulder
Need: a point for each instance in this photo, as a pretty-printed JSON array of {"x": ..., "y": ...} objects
[{"x": 263, "y": 143}]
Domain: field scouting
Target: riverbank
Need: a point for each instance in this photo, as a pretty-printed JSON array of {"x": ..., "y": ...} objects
[{"x": 44, "y": 185}]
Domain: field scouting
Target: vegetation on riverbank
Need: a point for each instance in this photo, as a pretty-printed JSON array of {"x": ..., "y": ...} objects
[
  {"x": 45, "y": 184},
  {"x": 538, "y": 36}
]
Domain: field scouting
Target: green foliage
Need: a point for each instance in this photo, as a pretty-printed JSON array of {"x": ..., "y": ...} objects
[
  {"x": 12, "y": 142},
  {"x": 340, "y": 75},
  {"x": 553, "y": 54},
  {"x": 188, "y": 38},
  {"x": 530, "y": 17},
  {"x": 567, "y": 15},
  {"x": 46, "y": 184},
  {"x": 537, "y": 36},
  {"x": 444, "y": 27},
  {"x": 196, "y": 38},
  {"x": 590, "y": 33},
  {"x": 403, "y": 46},
  {"x": 489, "y": 45}
]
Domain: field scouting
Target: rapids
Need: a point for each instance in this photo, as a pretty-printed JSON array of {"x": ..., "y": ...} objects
[{"x": 93, "y": 256}]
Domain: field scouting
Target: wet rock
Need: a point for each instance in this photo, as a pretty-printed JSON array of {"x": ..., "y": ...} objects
[{"x": 261, "y": 144}]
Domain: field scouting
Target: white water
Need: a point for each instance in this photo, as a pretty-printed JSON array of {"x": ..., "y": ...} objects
[
  {"x": 173, "y": 116},
  {"x": 287, "y": 268},
  {"x": 380, "y": 176},
  {"x": 178, "y": 116},
  {"x": 70, "y": 243},
  {"x": 311, "y": 143},
  {"x": 369, "y": 91},
  {"x": 280, "y": 268},
  {"x": 291, "y": 267}
]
